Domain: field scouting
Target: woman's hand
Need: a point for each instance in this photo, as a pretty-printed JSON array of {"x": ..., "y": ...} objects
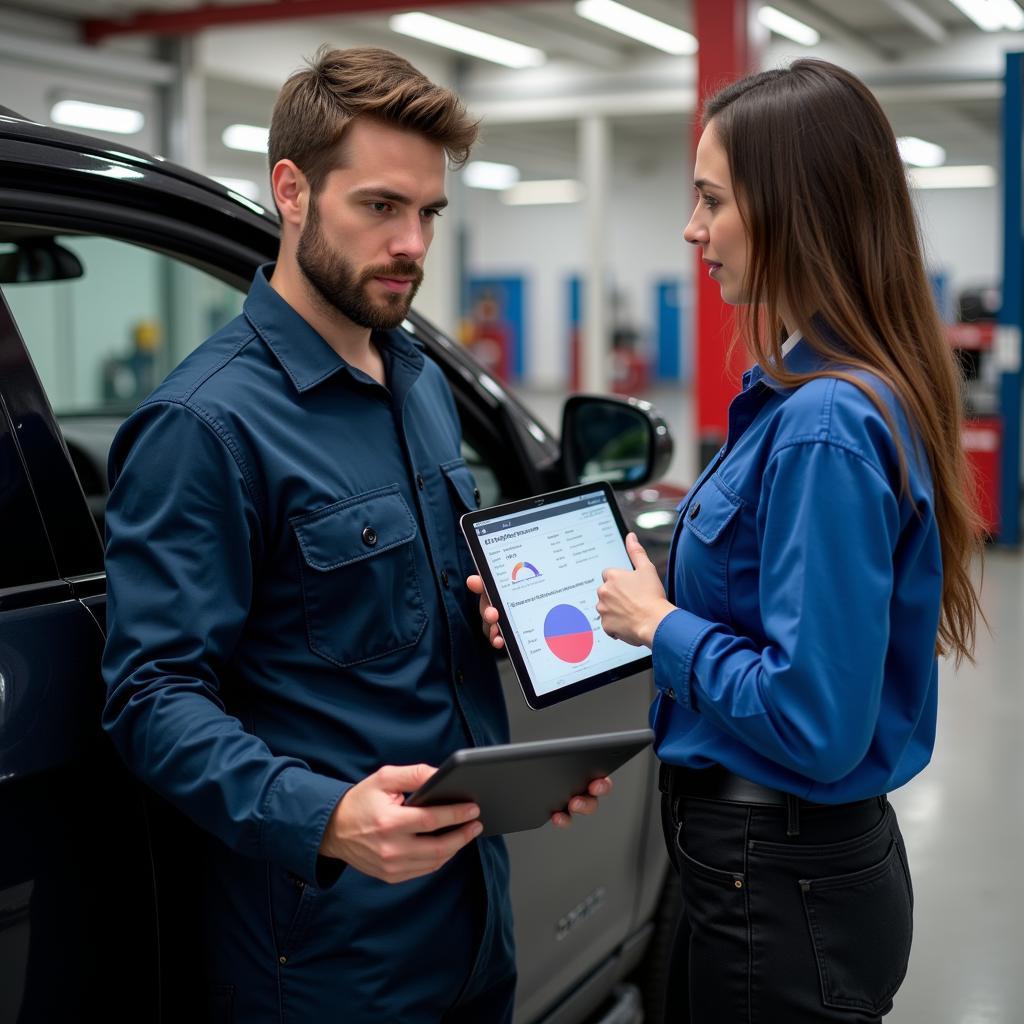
[
  {"x": 632, "y": 603},
  {"x": 488, "y": 613}
]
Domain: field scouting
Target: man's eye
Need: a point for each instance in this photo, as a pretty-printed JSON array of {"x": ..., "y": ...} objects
[
  {"x": 430, "y": 214},
  {"x": 380, "y": 206}
]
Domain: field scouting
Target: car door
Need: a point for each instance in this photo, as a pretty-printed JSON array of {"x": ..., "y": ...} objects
[{"x": 77, "y": 924}]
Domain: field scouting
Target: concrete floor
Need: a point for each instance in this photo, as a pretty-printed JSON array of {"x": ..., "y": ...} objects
[{"x": 963, "y": 816}]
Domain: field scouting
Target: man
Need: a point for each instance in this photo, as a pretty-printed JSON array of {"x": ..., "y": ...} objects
[{"x": 291, "y": 644}]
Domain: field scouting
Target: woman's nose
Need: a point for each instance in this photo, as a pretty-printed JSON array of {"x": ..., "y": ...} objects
[{"x": 695, "y": 233}]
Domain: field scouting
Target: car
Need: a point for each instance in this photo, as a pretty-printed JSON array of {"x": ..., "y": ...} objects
[{"x": 113, "y": 264}]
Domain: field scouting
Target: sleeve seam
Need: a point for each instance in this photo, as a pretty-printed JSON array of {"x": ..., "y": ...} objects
[
  {"x": 831, "y": 442},
  {"x": 217, "y": 429}
]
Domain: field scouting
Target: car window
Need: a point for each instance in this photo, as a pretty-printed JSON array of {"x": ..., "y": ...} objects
[{"x": 103, "y": 338}]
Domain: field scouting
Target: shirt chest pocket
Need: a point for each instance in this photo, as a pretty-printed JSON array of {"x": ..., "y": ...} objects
[
  {"x": 709, "y": 527},
  {"x": 359, "y": 580}
]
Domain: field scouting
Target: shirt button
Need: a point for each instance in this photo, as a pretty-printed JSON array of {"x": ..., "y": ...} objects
[
  {"x": 670, "y": 693},
  {"x": 419, "y": 481},
  {"x": 444, "y": 577},
  {"x": 369, "y": 536},
  {"x": 695, "y": 511},
  {"x": 476, "y": 494},
  {"x": 282, "y": 960}
]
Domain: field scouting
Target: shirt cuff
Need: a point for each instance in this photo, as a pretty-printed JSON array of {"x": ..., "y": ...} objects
[
  {"x": 295, "y": 816},
  {"x": 674, "y": 646}
]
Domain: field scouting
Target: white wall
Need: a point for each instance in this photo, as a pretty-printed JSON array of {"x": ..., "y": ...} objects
[
  {"x": 545, "y": 244},
  {"x": 963, "y": 234}
]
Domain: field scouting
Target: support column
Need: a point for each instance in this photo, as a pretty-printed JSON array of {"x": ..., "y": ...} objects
[
  {"x": 183, "y": 132},
  {"x": 595, "y": 171},
  {"x": 725, "y": 54},
  {"x": 1011, "y": 315}
]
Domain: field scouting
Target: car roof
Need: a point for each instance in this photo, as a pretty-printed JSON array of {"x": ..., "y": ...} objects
[{"x": 17, "y": 127}]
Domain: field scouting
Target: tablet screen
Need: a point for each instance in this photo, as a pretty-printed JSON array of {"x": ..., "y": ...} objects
[{"x": 545, "y": 564}]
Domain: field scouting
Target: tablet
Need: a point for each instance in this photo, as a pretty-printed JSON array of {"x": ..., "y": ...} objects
[
  {"x": 518, "y": 786},
  {"x": 541, "y": 561}
]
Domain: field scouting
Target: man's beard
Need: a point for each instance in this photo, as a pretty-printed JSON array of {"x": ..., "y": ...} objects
[{"x": 342, "y": 288}]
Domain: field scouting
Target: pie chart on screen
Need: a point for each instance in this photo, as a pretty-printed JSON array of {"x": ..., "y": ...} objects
[{"x": 568, "y": 633}]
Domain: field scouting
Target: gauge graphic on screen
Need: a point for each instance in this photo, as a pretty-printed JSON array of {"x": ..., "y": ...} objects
[
  {"x": 524, "y": 570},
  {"x": 568, "y": 633}
]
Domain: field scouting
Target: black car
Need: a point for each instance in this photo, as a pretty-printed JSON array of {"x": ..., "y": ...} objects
[{"x": 113, "y": 264}]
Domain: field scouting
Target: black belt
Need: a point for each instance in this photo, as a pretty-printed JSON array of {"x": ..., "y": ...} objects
[{"x": 718, "y": 783}]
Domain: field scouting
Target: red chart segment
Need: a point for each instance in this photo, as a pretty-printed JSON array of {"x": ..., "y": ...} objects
[{"x": 568, "y": 633}]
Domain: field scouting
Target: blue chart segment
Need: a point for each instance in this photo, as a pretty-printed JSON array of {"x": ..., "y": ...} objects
[{"x": 568, "y": 633}]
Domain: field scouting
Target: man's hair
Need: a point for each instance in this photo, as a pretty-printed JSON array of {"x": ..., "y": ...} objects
[{"x": 317, "y": 104}]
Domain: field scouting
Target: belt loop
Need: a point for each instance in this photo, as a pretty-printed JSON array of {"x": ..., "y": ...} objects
[
  {"x": 792, "y": 815},
  {"x": 664, "y": 777}
]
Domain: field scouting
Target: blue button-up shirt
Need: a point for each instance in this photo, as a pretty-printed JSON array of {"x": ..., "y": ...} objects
[
  {"x": 803, "y": 651},
  {"x": 286, "y": 599}
]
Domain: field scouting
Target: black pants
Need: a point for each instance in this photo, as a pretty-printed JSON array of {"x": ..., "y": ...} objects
[{"x": 784, "y": 928}]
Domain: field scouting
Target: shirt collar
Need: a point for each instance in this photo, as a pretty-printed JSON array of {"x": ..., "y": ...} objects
[
  {"x": 302, "y": 352},
  {"x": 797, "y": 357}
]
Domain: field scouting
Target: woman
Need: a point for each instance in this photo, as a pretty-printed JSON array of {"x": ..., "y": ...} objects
[{"x": 820, "y": 564}]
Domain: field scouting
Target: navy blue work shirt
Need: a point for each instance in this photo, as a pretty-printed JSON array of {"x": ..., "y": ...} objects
[
  {"x": 288, "y": 612},
  {"x": 803, "y": 652}
]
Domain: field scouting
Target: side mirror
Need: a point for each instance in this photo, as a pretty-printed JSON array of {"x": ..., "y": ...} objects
[
  {"x": 622, "y": 440},
  {"x": 38, "y": 259}
]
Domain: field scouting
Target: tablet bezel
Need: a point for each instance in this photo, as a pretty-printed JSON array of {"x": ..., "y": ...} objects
[
  {"x": 552, "y": 772},
  {"x": 539, "y": 701}
]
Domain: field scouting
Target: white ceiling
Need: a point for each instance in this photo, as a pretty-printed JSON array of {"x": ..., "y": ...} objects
[{"x": 947, "y": 91}]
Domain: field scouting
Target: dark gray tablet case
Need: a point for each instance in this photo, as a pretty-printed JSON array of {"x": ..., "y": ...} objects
[{"x": 520, "y": 785}]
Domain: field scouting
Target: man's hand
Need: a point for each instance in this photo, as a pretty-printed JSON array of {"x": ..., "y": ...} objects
[
  {"x": 584, "y": 803},
  {"x": 488, "y": 613},
  {"x": 373, "y": 831},
  {"x": 632, "y": 602}
]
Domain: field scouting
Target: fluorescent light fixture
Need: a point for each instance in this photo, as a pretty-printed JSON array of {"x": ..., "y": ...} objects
[
  {"x": 243, "y": 186},
  {"x": 484, "y": 174},
  {"x": 919, "y": 152},
  {"x": 98, "y": 117},
  {"x": 641, "y": 27},
  {"x": 543, "y": 193},
  {"x": 783, "y": 25},
  {"x": 466, "y": 40},
  {"x": 964, "y": 176},
  {"x": 992, "y": 15},
  {"x": 248, "y": 137}
]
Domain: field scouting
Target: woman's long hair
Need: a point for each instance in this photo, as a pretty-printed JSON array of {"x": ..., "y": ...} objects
[{"x": 834, "y": 242}]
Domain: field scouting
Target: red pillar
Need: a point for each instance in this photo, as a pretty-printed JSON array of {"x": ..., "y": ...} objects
[{"x": 725, "y": 54}]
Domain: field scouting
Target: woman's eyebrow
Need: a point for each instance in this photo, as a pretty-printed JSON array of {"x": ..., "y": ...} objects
[{"x": 704, "y": 183}]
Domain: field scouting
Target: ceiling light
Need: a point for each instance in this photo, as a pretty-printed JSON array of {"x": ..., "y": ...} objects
[
  {"x": 248, "y": 137},
  {"x": 783, "y": 25},
  {"x": 919, "y": 152},
  {"x": 992, "y": 15},
  {"x": 638, "y": 26},
  {"x": 484, "y": 174},
  {"x": 466, "y": 40},
  {"x": 543, "y": 193},
  {"x": 965, "y": 176},
  {"x": 98, "y": 117},
  {"x": 243, "y": 186}
]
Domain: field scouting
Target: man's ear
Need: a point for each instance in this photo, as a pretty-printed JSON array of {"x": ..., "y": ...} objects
[{"x": 291, "y": 192}]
